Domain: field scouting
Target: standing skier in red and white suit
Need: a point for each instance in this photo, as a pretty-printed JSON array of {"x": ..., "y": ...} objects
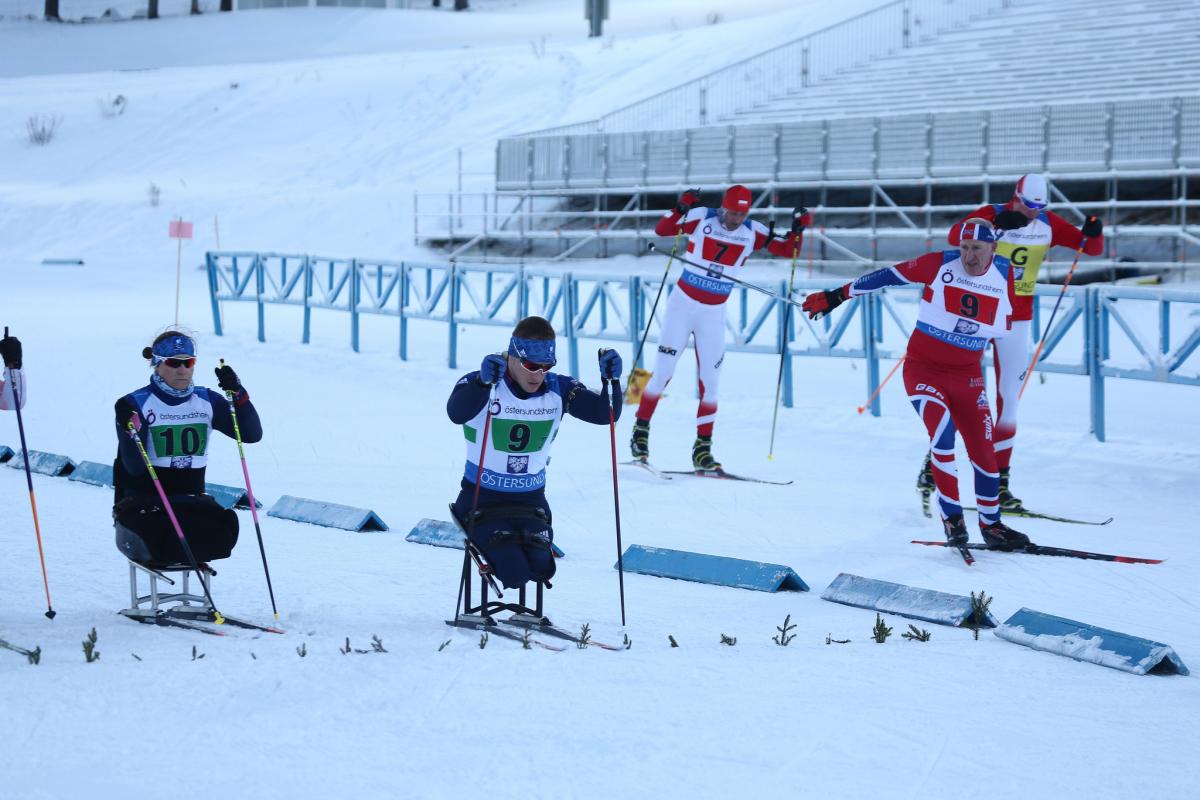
[
  {"x": 1026, "y": 231},
  {"x": 719, "y": 240},
  {"x": 967, "y": 301}
]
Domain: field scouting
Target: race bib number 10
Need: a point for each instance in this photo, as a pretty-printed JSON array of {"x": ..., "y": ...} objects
[{"x": 179, "y": 440}]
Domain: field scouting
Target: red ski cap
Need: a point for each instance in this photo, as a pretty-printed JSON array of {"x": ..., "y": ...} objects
[{"x": 737, "y": 199}]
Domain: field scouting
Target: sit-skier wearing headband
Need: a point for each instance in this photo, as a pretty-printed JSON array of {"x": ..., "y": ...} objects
[
  {"x": 512, "y": 524},
  {"x": 174, "y": 421},
  {"x": 966, "y": 302}
]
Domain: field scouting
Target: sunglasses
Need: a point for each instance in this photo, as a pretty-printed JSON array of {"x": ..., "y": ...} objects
[
  {"x": 533, "y": 366},
  {"x": 176, "y": 363}
]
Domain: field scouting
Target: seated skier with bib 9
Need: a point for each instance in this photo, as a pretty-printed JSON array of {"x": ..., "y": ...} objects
[
  {"x": 512, "y": 524},
  {"x": 966, "y": 301},
  {"x": 174, "y": 420}
]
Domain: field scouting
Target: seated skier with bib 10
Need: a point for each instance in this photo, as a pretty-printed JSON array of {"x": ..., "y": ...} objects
[
  {"x": 174, "y": 420},
  {"x": 966, "y": 301},
  {"x": 510, "y": 522}
]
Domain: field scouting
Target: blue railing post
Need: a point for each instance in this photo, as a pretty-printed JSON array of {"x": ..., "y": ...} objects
[
  {"x": 402, "y": 300},
  {"x": 452, "y": 278},
  {"x": 307, "y": 266},
  {"x": 1164, "y": 326},
  {"x": 635, "y": 316},
  {"x": 569, "y": 302},
  {"x": 1095, "y": 338},
  {"x": 213, "y": 286},
  {"x": 259, "y": 288},
  {"x": 353, "y": 289},
  {"x": 522, "y": 293},
  {"x": 870, "y": 322}
]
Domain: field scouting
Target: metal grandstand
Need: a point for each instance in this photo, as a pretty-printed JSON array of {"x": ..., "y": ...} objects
[{"x": 891, "y": 179}]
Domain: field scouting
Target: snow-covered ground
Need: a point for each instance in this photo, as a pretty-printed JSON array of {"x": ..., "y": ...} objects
[{"x": 323, "y": 154}]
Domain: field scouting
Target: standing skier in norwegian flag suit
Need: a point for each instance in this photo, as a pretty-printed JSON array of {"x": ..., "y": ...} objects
[{"x": 966, "y": 302}]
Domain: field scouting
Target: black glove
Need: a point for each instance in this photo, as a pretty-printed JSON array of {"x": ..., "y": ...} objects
[
  {"x": 227, "y": 379},
  {"x": 818, "y": 304},
  {"x": 10, "y": 351},
  {"x": 688, "y": 199},
  {"x": 801, "y": 219},
  {"x": 125, "y": 412},
  {"x": 492, "y": 368},
  {"x": 610, "y": 365},
  {"x": 1010, "y": 220},
  {"x": 1091, "y": 229}
]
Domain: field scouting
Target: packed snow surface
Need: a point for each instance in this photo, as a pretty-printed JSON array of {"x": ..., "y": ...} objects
[{"x": 308, "y": 131}]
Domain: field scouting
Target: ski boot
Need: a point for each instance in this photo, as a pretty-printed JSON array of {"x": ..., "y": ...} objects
[
  {"x": 1007, "y": 501},
  {"x": 1002, "y": 537},
  {"x": 639, "y": 443},
  {"x": 925, "y": 484},
  {"x": 702, "y": 457},
  {"x": 956, "y": 530}
]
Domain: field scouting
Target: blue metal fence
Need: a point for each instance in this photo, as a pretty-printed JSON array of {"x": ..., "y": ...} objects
[{"x": 615, "y": 308}]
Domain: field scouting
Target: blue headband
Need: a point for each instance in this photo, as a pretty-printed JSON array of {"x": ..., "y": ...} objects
[
  {"x": 980, "y": 233},
  {"x": 178, "y": 346},
  {"x": 538, "y": 351}
]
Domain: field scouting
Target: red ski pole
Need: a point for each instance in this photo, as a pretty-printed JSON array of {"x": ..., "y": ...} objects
[
  {"x": 237, "y": 432},
  {"x": 12, "y": 382}
]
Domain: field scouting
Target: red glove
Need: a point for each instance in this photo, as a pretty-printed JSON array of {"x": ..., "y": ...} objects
[
  {"x": 818, "y": 304},
  {"x": 801, "y": 219},
  {"x": 688, "y": 199}
]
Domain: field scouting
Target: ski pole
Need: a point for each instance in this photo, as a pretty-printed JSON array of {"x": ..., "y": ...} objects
[
  {"x": 787, "y": 321},
  {"x": 493, "y": 397},
  {"x": 879, "y": 388},
  {"x": 1042, "y": 341},
  {"x": 237, "y": 432},
  {"x": 730, "y": 278},
  {"x": 612, "y": 435},
  {"x": 657, "y": 297},
  {"x": 132, "y": 426},
  {"x": 37, "y": 530}
]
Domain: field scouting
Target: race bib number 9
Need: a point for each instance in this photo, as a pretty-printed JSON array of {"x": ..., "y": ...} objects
[
  {"x": 179, "y": 440},
  {"x": 520, "y": 436},
  {"x": 980, "y": 308}
]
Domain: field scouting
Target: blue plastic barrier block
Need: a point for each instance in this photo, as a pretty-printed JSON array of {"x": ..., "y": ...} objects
[
  {"x": 50, "y": 464},
  {"x": 93, "y": 473},
  {"x": 1084, "y": 642},
  {"x": 903, "y": 601},
  {"x": 447, "y": 534},
  {"x": 719, "y": 570},
  {"x": 6, "y": 453},
  {"x": 230, "y": 496},
  {"x": 331, "y": 515}
]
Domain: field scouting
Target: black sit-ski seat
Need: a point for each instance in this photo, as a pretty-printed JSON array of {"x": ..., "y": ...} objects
[{"x": 474, "y": 616}]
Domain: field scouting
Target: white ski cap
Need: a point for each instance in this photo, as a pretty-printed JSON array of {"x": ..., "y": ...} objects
[{"x": 1032, "y": 191}]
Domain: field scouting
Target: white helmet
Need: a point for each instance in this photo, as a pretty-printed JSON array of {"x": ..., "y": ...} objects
[{"x": 1032, "y": 191}]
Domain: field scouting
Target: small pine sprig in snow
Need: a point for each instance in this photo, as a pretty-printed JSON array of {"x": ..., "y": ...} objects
[
  {"x": 444, "y": 645},
  {"x": 671, "y": 639},
  {"x": 585, "y": 636},
  {"x": 483, "y": 640},
  {"x": 785, "y": 637},
  {"x": 830, "y": 640},
  {"x": 302, "y": 650},
  {"x": 728, "y": 640},
  {"x": 880, "y": 632},
  {"x": 915, "y": 634},
  {"x": 90, "y": 653},
  {"x": 195, "y": 655},
  {"x": 979, "y": 612},
  {"x": 527, "y": 639}
]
